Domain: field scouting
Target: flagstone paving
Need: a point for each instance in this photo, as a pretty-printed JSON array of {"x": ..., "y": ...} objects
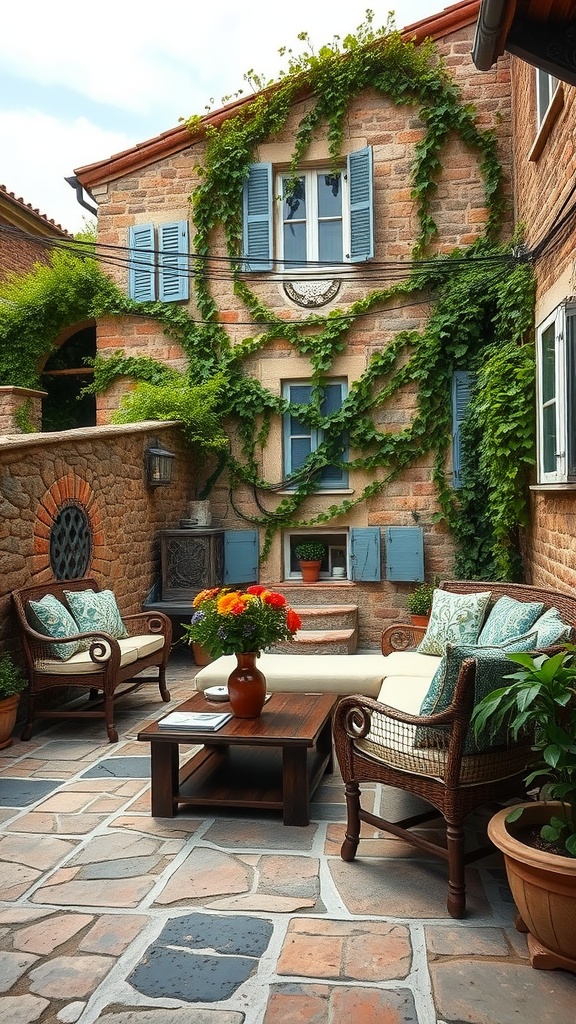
[{"x": 108, "y": 915}]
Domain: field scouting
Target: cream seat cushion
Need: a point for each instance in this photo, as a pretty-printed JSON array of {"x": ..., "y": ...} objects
[
  {"x": 131, "y": 649},
  {"x": 326, "y": 673}
]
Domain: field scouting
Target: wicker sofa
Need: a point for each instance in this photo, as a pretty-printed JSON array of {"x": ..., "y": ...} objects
[{"x": 100, "y": 668}]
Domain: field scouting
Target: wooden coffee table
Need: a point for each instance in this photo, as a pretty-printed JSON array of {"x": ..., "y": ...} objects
[{"x": 273, "y": 762}]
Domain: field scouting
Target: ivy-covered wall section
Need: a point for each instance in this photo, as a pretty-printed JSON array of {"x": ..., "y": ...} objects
[{"x": 445, "y": 292}]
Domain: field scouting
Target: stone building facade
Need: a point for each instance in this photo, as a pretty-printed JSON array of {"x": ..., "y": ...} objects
[{"x": 151, "y": 185}]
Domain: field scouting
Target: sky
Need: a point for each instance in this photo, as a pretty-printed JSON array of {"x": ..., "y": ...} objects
[{"x": 78, "y": 83}]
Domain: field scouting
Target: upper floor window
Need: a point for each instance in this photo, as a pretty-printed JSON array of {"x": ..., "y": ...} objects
[
  {"x": 158, "y": 267},
  {"x": 321, "y": 215},
  {"x": 556, "y": 359},
  {"x": 301, "y": 438},
  {"x": 312, "y": 215},
  {"x": 546, "y": 86}
]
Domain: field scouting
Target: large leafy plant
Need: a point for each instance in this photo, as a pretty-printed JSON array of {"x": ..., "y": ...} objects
[{"x": 541, "y": 699}]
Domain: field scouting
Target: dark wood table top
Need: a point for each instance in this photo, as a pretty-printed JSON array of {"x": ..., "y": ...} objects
[{"x": 286, "y": 719}]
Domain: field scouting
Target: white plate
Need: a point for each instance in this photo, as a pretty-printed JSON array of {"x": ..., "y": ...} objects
[{"x": 217, "y": 693}]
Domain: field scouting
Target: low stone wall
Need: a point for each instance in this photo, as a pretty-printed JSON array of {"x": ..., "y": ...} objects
[{"x": 102, "y": 470}]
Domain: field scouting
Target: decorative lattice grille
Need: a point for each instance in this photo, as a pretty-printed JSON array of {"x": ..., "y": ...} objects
[{"x": 70, "y": 543}]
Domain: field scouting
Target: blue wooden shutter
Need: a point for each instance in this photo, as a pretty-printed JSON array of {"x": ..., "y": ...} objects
[
  {"x": 405, "y": 553},
  {"x": 240, "y": 556},
  {"x": 361, "y": 205},
  {"x": 333, "y": 476},
  {"x": 365, "y": 554},
  {"x": 298, "y": 437},
  {"x": 141, "y": 278},
  {"x": 462, "y": 381},
  {"x": 173, "y": 261},
  {"x": 257, "y": 219}
]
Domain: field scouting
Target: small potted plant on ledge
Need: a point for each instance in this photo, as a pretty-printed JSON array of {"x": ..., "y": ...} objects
[
  {"x": 310, "y": 555},
  {"x": 12, "y": 683},
  {"x": 538, "y": 839},
  {"x": 419, "y": 603}
]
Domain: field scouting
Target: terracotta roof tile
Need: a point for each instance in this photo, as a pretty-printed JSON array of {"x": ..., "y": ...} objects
[{"x": 19, "y": 202}]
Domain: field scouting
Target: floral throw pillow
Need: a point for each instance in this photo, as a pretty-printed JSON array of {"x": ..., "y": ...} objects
[
  {"x": 50, "y": 617},
  {"x": 454, "y": 618},
  {"x": 509, "y": 618},
  {"x": 96, "y": 611}
]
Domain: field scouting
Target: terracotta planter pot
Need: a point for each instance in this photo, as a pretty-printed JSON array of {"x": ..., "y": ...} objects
[
  {"x": 544, "y": 889},
  {"x": 201, "y": 656},
  {"x": 8, "y": 713},
  {"x": 419, "y": 620},
  {"x": 246, "y": 687},
  {"x": 310, "y": 571}
]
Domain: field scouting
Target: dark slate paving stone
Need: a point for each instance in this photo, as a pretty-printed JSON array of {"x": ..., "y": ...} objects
[
  {"x": 247, "y": 935},
  {"x": 120, "y": 768},
  {"x": 194, "y": 977},
  {"x": 23, "y": 792},
  {"x": 171, "y": 967}
]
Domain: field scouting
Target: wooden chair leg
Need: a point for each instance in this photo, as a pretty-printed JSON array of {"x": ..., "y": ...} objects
[
  {"x": 456, "y": 870},
  {"x": 109, "y": 717},
  {"x": 164, "y": 692},
  {"x": 27, "y": 730},
  {"x": 350, "y": 844}
]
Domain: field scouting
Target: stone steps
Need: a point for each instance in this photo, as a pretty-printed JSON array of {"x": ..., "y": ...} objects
[{"x": 326, "y": 629}]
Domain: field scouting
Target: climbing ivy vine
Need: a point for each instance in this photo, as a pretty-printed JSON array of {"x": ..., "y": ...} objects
[{"x": 480, "y": 298}]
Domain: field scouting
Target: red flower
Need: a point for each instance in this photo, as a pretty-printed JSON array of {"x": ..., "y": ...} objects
[
  {"x": 293, "y": 620},
  {"x": 255, "y": 589},
  {"x": 273, "y": 599}
]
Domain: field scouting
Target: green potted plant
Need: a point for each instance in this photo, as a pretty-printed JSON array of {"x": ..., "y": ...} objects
[
  {"x": 419, "y": 603},
  {"x": 12, "y": 683},
  {"x": 310, "y": 555},
  {"x": 538, "y": 839}
]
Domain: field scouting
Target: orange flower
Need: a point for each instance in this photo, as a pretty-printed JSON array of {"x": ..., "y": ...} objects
[
  {"x": 205, "y": 595},
  {"x": 293, "y": 620},
  {"x": 233, "y": 603}
]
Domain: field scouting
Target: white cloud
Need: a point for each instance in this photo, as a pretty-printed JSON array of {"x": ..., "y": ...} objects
[{"x": 40, "y": 151}]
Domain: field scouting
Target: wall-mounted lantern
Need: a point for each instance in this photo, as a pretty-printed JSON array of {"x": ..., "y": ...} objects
[{"x": 159, "y": 465}]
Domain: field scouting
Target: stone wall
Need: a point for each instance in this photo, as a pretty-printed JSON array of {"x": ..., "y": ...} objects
[
  {"x": 545, "y": 171},
  {"x": 102, "y": 470}
]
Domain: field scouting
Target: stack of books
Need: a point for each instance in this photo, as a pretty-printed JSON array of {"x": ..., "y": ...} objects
[{"x": 195, "y": 721}]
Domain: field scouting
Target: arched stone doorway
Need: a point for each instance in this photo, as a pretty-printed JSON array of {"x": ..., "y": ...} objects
[{"x": 64, "y": 376}]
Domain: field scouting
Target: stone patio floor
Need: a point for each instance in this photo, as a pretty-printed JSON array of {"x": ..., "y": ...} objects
[{"x": 109, "y": 915}]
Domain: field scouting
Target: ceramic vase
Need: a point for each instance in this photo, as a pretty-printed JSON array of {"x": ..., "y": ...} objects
[{"x": 246, "y": 687}]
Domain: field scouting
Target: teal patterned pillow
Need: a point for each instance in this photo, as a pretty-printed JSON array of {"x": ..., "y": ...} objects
[
  {"x": 491, "y": 667},
  {"x": 507, "y": 619},
  {"x": 96, "y": 611},
  {"x": 454, "y": 618},
  {"x": 550, "y": 629},
  {"x": 49, "y": 616}
]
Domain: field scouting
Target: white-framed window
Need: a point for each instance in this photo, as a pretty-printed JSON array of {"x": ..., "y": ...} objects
[
  {"x": 293, "y": 220},
  {"x": 546, "y": 86},
  {"x": 158, "y": 262},
  {"x": 312, "y": 218},
  {"x": 556, "y": 363},
  {"x": 301, "y": 438},
  {"x": 336, "y": 553}
]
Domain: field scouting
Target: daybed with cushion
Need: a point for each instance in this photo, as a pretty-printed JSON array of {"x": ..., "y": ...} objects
[
  {"x": 72, "y": 635},
  {"x": 404, "y": 716}
]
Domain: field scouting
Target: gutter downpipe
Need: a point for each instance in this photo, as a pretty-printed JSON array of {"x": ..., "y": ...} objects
[
  {"x": 488, "y": 30},
  {"x": 79, "y": 189}
]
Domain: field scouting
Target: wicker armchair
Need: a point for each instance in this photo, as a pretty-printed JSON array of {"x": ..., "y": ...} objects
[
  {"x": 425, "y": 755},
  {"x": 104, "y": 665}
]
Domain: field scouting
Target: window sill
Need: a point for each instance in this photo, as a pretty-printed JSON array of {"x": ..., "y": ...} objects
[
  {"x": 553, "y": 487},
  {"x": 322, "y": 490},
  {"x": 547, "y": 124}
]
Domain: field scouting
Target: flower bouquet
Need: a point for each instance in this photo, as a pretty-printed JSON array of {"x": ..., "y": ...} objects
[{"x": 227, "y": 621}]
